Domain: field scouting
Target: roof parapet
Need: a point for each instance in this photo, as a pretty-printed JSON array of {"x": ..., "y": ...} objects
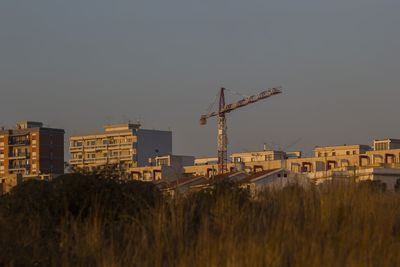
[
  {"x": 28, "y": 124},
  {"x": 121, "y": 127}
]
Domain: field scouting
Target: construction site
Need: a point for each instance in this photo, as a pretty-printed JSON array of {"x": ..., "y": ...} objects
[
  {"x": 147, "y": 155},
  {"x": 379, "y": 161}
]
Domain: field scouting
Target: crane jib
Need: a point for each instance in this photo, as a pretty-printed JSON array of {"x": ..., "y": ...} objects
[
  {"x": 244, "y": 102},
  {"x": 250, "y": 100}
]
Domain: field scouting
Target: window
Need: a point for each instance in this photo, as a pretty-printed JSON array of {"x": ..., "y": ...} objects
[
  {"x": 333, "y": 153},
  {"x": 279, "y": 175},
  {"x": 381, "y": 146},
  {"x": 268, "y": 157},
  {"x": 78, "y": 143},
  {"x": 105, "y": 142},
  {"x": 354, "y": 152},
  {"x": 162, "y": 162},
  {"x": 347, "y": 152}
]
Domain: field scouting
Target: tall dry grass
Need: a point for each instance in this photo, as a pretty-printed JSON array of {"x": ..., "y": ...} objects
[{"x": 333, "y": 225}]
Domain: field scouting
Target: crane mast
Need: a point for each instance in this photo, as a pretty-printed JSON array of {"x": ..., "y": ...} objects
[
  {"x": 221, "y": 116},
  {"x": 222, "y": 134}
]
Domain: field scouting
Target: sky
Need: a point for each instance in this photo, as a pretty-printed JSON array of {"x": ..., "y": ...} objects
[{"x": 80, "y": 64}]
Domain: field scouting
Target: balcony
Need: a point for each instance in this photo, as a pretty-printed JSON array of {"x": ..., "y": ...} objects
[
  {"x": 22, "y": 155},
  {"x": 75, "y": 148},
  {"x": 18, "y": 142},
  {"x": 75, "y": 161},
  {"x": 19, "y": 167}
]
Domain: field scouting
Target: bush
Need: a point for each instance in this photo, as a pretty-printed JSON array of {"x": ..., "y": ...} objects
[
  {"x": 36, "y": 209},
  {"x": 89, "y": 220}
]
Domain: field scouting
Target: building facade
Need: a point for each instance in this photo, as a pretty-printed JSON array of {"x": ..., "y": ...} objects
[
  {"x": 166, "y": 167},
  {"x": 125, "y": 145},
  {"x": 325, "y": 161},
  {"x": 31, "y": 150},
  {"x": 266, "y": 155}
]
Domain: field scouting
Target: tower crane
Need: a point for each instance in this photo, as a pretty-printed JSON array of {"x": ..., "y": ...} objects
[{"x": 221, "y": 116}]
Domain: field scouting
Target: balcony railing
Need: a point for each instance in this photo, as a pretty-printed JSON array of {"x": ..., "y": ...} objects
[
  {"x": 76, "y": 147},
  {"x": 19, "y": 167},
  {"x": 19, "y": 155},
  {"x": 18, "y": 142}
]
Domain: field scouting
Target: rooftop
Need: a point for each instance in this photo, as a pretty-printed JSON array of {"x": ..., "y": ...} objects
[
  {"x": 387, "y": 139},
  {"x": 119, "y": 127},
  {"x": 341, "y": 146}
]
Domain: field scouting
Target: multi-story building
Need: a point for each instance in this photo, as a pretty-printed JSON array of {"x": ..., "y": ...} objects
[
  {"x": 31, "y": 150},
  {"x": 266, "y": 155},
  {"x": 125, "y": 145},
  {"x": 167, "y": 167},
  {"x": 344, "y": 150}
]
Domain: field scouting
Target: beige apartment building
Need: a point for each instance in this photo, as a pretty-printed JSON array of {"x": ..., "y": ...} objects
[
  {"x": 325, "y": 160},
  {"x": 166, "y": 167},
  {"x": 266, "y": 155},
  {"x": 344, "y": 150},
  {"x": 125, "y": 145}
]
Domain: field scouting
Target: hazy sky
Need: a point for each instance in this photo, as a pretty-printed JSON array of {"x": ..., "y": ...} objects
[{"x": 79, "y": 64}]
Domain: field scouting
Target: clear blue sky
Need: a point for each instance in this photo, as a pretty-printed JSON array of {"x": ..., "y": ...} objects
[{"x": 79, "y": 64}]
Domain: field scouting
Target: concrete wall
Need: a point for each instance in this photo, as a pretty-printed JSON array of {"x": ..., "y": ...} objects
[
  {"x": 152, "y": 143},
  {"x": 186, "y": 160}
]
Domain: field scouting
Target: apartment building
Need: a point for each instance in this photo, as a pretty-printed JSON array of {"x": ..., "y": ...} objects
[
  {"x": 344, "y": 150},
  {"x": 31, "y": 150},
  {"x": 125, "y": 145},
  {"x": 167, "y": 167},
  {"x": 266, "y": 155}
]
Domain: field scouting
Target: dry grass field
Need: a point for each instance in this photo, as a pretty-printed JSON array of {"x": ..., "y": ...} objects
[{"x": 88, "y": 220}]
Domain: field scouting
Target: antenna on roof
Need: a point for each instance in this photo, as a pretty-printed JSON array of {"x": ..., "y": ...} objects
[{"x": 139, "y": 120}]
